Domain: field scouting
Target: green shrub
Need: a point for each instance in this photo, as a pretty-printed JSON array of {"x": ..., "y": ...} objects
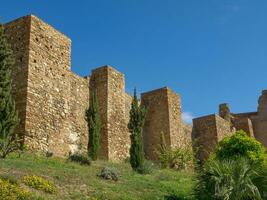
[
  {"x": 147, "y": 168},
  {"x": 9, "y": 191},
  {"x": 231, "y": 179},
  {"x": 240, "y": 144},
  {"x": 180, "y": 158},
  {"x": 109, "y": 173},
  {"x": 82, "y": 159},
  {"x": 39, "y": 183}
]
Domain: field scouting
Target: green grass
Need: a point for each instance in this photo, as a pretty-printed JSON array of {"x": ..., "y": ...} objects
[{"x": 74, "y": 181}]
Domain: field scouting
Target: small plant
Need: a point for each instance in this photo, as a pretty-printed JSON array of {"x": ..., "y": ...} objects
[
  {"x": 240, "y": 144},
  {"x": 10, "y": 191},
  {"x": 147, "y": 168},
  {"x": 179, "y": 158},
  {"x": 39, "y": 183},
  {"x": 109, "y": 173},
  {"x": 80, "y": 158}
]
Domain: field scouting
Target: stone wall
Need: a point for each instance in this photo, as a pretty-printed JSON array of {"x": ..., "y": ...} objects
[
  {"x": 109, "y": 85},
  {"x": 99, "y": 84},
  {"x": 119, "y": 139},
  {"x": 57, "y": 98},
  {"x": 244, "y": 124},
  {"x": 52, "y": 100},
  {"x": 223, "y": 128},
  {"x": 177, "y": 136},
  {"x": 207, "y": 132},
  {"x": 253, "y": 123},
  {"x": 163, "y": 117},
  {"x": 18, "y": 35},
  {"x": 260, "y": 121},
  {"x": 187, "y": 134}
]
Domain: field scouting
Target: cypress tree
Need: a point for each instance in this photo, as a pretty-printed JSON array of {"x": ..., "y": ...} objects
[
  {"x": 135, "y": 126},
  {"x": 9, "y": 141},
  {"x": 93, "y": 121}
]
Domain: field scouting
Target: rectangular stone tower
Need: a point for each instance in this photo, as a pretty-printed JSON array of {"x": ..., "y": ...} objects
[
  {"x": 109, "y": 85},
  {"x": 207, "y": 132},
  {"x": 163, "y": 117},
  {"x": 50, "y": 98},
  {"x": 18, "y": 35}
]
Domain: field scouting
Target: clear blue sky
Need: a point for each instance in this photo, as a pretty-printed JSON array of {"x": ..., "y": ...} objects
[{"x": 209, "y": 51}]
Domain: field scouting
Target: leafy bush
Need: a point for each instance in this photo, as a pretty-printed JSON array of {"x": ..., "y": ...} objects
[
  {"x": 80, "y": 158},
  {"x": 240, "y": 144},
  {"x": 231, "y": 179},
  {"x": 11, "y": 191},
  {"x": 109, "y": 173},
  {"x": 39, "y": 183},
  {"x": 147, "y": 168},
  {"x": 179, "y": 158}
]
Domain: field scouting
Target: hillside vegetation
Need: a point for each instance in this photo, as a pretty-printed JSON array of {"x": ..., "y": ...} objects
[{"x": 73, "y": 181}]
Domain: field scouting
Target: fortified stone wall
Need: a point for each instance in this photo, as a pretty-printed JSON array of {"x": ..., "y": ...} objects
[
  {"x": 52, "y": 100},
  {"x": 156, "y": 123},
  {"x": 244, "y": 124},
  {"x": 56, "y": 98},
  {"x": 253, "y": 123},
  {"x": 207, "y": 132},
  {"x": 109, "y": 85},
  {"x": 163, "y": 116},
  {"x": 187, "y": 135},
  {"x": 260, "y": 121},
  {"x": 18, "y": 36}
]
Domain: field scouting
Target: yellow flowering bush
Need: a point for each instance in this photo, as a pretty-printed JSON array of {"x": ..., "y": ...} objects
[
  {"x": 10, "y": 191},
  {"x": 39, "y": 183}
]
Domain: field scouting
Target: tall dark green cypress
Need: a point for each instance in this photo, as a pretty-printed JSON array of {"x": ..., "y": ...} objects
[
  {"x": 93, "y": 120},
  {"x": 135, "y": 126},
  {"x": 8, "y": 115}
]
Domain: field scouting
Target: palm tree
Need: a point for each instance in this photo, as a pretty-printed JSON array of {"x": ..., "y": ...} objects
[{"x": 231, "y": 180}]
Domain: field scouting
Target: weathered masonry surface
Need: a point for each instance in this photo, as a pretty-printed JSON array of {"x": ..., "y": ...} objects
[
  {"x": 209, "y": 130},
  {"x": 51, "y": 99},
  {"x": 164, "y": 117}
]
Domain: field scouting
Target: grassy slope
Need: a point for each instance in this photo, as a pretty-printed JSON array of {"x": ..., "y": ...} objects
[{"x": 81, "y": 182}]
